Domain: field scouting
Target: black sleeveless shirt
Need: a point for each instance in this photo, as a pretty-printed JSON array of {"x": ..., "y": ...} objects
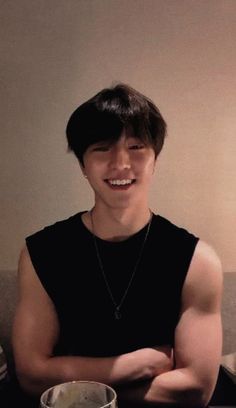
[{"x": 64, "y": 258}]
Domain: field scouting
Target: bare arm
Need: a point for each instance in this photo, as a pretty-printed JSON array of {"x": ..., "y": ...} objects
[
  {"x": 35, "y": 334},
  {"x": 198, "y": 340}
]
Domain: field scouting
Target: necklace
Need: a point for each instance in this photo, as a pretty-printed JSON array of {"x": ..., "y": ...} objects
[{"x": 117, "y": 306}]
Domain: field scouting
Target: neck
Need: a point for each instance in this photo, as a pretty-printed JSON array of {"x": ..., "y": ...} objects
[{"x": 118, "y": 224}]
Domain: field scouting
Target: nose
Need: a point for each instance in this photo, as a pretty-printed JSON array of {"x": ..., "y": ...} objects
[{"x": 120, "y": 158}]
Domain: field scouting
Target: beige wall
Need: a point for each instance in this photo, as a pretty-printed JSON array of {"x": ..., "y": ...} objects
[{"x": 55, "y": 54}]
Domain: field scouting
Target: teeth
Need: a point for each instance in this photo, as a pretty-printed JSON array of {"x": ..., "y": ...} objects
[{"x": 120, "y": 182}]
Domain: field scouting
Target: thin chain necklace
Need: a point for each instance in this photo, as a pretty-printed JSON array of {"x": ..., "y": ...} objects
[{"x": 117, "y": 306}]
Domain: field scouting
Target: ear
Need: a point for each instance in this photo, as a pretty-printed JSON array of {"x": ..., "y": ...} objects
[
  {"x": 154, "y": 165},
  {"x": 82, "y": 168}
]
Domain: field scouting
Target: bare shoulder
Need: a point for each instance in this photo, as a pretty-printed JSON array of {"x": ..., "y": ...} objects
[
  {"x": 205, "y": 263},
  {"x": 206, "y": 255},
  {"x": 30, "y": 287},
  {"x": 24, "y": 256},
  {"x": 204, "y": 279},
  {"x": 25, "y": 266}
]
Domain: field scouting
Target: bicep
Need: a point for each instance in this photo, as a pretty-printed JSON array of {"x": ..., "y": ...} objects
[
  {"x": 35, "y": 328},
  {"x": 198, "y": 336}
]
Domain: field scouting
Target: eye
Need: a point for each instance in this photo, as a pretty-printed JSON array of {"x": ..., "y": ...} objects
[
  {"x": 100, "y": 148},
  {"x": 136, "y": 146}
]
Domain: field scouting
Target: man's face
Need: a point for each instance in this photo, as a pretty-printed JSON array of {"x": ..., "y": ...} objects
[{"x": 120, "y": 173}]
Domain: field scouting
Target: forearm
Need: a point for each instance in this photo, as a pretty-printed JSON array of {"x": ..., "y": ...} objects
[
  {"x": 45, "y": 373},
  {"x": 176, "y": 387},
  {"x": 39, "y": 374}
]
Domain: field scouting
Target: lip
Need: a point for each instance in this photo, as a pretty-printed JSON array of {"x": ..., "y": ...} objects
[{"x": 119, "y": 187}]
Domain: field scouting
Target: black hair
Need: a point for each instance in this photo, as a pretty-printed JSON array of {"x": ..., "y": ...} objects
[{"x": 108, "y": 113}]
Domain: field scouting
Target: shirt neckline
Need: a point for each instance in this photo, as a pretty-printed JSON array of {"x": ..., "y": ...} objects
[{"x": 131, "y": 238}]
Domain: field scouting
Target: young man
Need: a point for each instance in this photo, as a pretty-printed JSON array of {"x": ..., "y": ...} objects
[{"x": 118, "y": 294}]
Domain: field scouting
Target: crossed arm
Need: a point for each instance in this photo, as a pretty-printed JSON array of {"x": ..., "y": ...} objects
[
  {"x": 198, "y": 340},
  {"x": 150, "y": 375}
]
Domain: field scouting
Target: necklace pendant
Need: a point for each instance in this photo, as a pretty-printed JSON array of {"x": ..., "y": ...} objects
[{"x": 117, "y": 313}]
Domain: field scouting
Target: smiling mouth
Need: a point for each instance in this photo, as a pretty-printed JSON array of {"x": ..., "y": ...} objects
[{"x": 120, "y": 183}]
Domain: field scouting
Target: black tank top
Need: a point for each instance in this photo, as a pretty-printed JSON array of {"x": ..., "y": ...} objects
[{"x": 64, "y": 258}]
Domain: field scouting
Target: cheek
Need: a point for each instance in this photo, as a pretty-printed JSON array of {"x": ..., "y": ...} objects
[
  {"x": 91, "y": 167},
  {"x": 149, "y": 166},
  {"x": 95, "y": 172}
]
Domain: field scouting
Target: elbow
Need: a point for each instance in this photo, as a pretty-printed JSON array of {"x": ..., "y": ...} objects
[
  {"x": 30, "y": 379},
  {"x": 201, "y": 393},
  {"x": 196, "y": 397},
  {"x": 27, "y": 385},
  {"x": 205, "y": 395},
  {"x": 186, "y": 392}
]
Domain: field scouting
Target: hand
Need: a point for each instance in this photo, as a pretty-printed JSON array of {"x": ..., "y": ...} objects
[
  {"x": 153, "y": 361},
  {"x": 167, "y": 353},
  {"x": 150, "y": 362}
]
